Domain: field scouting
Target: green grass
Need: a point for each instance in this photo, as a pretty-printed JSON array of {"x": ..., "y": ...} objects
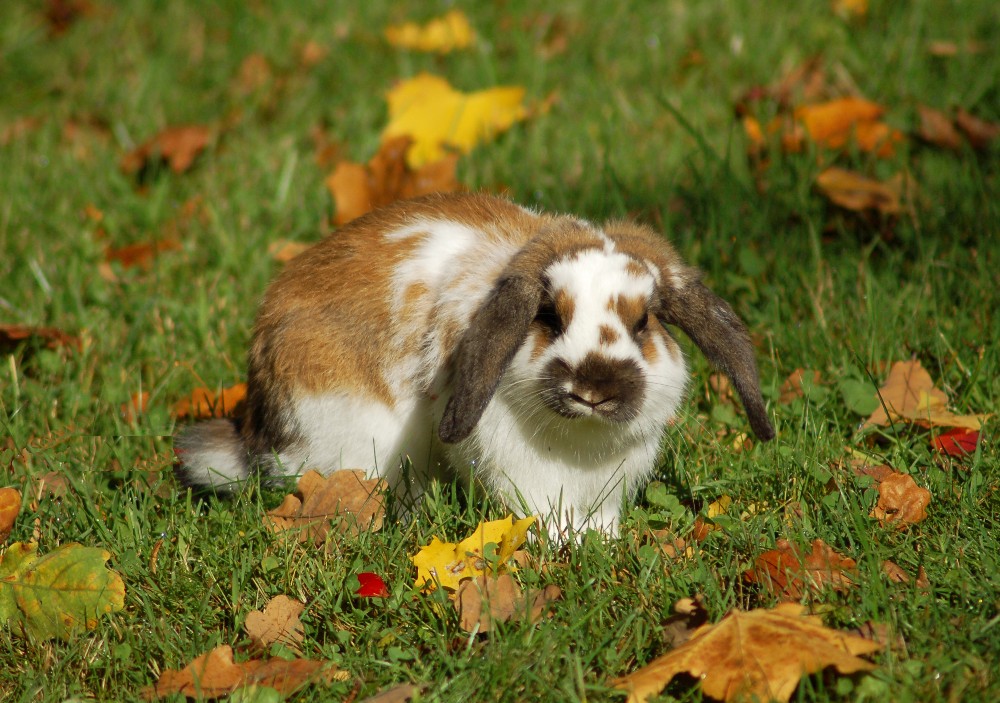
[{"x": 819, "y": 289}]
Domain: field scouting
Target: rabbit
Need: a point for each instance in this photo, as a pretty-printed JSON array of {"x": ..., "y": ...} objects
[{"x": 465, "y": 334}]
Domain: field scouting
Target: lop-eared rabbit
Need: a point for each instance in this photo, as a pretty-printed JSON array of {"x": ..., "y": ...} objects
[{"x": 466, "y": 335}]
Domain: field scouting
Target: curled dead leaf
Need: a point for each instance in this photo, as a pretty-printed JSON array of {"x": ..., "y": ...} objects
[
  {"x": 909, "y": 394},
  {"x": 936, "y": 128},
  {"x": 177, "y": 146},
  {"x": 789, "y": 574},
  {"x": 277, "y": 622},
  {"x": 487, "y": 599},
  {"x": 52, "y": 338},
  {"x": 901, "y": 502},
  {"x": 343, "y": 500},
  {"x": 857, "y": 193}
]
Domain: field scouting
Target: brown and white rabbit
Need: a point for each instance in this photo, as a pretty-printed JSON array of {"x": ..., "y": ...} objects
[{"x": 528, "y": 352}]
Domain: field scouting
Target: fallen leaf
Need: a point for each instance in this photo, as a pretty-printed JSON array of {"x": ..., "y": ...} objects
[
  {"x": 980, "y": 133},
  {"x": 397, "y": 694},
  {"x": 215, "y": 674},
  {"x": 689, "y": 615},
  {"x": 760, "y": 653},
  {"x": 787, "y": 574},
  {"x": 371, "y": 586},
  {"x": 344, "y": 500},
  {"x": 441, "y": 35},
  {"x": 141, "y": 254},
  {"x": 178, "y": 146},
  {"x": 278, "y": 622},
  {"x": 881, "y": 634},
  {"x": 60, "y": 15},
  {"x": 486, "y": 599},
  {"x": 936, "y": 128},
  {"x": 312, "y": 53},
  {"x": 948, "y": 49},
  {"x": 910, "y": 395},
  {"x": 901, "y": 501},
  {"x": 895, "y": 573},
  {"x": 12, "y": 335},
  {"x": 54, "y": 594},
  {"x": 204, "y": 403},
  {"x": 852, "y": 191},
  {"x": 851, "y": 8},
  {"x": 834, "y": 123},
  {"x": 255, "y": 73},
  {"x": 10, "y": 507},
  {"x": 284, "y": 250},
  {"x": 957, "y": 442},
  {"x": 791, "y": 388},
  {"x": 440, "y": 118},
  {"x": 357, "y": 189},
  {"x": 491, "y": 545}
]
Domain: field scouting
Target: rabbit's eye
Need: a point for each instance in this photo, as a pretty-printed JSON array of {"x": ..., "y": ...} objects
[
  {"x": 641, "y": 325},
  {"x": 549, "y": 318}
]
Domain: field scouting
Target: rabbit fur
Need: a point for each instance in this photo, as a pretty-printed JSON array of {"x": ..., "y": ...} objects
[{"x": 464, "y": 334}]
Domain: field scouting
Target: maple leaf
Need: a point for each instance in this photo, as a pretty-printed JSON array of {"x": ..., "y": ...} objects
[
  {"x": 442, "y": 35},
  {"x": 357, "y": 188},
  {"x": 447, "y": 564},
  {"x": 852, "y": 191},
  {"x": 487, "y": 599},
  {"x": 178, "y": 146},
  {"x": 54, "y": 594},
  {"x": 215, "y": 674},
  {"x": 789, "y": 574},
  {"x": 439, "y": 118},
  {"x": 901, "y": 501},
  {"x": 909, "y": 394},
  {"x": 278, "y": 622},
  {"x": 204, "y": 403},
  {"x": 343, "y": 499},
  {"x": 10, "y": 507},
  {"x": 760, "y": 653}
]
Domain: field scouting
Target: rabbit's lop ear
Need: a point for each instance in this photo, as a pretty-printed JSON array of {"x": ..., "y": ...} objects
[
  {"x": 497, "y": 330},
  {"x": 711, "y": 324}
]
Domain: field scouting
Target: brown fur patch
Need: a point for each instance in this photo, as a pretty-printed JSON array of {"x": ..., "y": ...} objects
[
  {"x": 609, "y": 335},
  {"x": 565, "y": 306},
  {"x": 539, "y": 340},
  {"x": 628, "y": 309},
  {"x": 634, "y": 268}
]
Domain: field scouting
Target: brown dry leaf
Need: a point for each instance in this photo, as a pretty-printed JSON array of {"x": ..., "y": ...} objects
[
  {"x": 936, "y": 128},
  {"x": 487, "y": 599},
  {"x": 278, "y": 622},
  {"x": 901, "y": 501},
  {"x": 689, "y": 615},
  {"x": 204, "y": 403},
  {"x": 255, "y": 73},
  {"x": 760, "y": 653},
  {"x": 178, "y": 146},
  {"x": 140, "y": 255},
  {"x": 789, "y": 575},
  {"x": 397, "y": 694},
  {"x": 895, "y": 573},
  {"x": 284, "y": 250},
  {"x": 852, "y": 191},
  {"x": 10, "y": 507},
  {"x": 980, "y": 133},
  {"x": 357, "y": 189},
  {"x": 344, "y": 500},
  {"x": 791, "y": 388},
  {"x": 720, "y": 384},
  {"x": 12, "y": 335},
  {"x": 910, "y": 395},
  {"x": 215, "y": 674}
]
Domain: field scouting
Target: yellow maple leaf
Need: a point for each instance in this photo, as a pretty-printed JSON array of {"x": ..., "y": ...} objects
[
  {"x": 442, "y": 35},
  {"x": 438, "y": 118},
  {"x": 446, "y": 563}
]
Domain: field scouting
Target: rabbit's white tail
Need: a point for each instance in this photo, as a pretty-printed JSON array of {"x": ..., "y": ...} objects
[{"x": 212, "y": 455}]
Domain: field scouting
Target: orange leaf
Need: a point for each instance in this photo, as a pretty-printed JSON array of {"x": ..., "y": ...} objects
[
  {"x": 852, "y": 191},
  {"x": 215, "y": 674},
  {"x": 12, "y": 335},
  {"x": 204, "y": 403},
  {"x": 344, "y": 499},
  {"x": 910, "y": 395},
  {"x": 760, "y": 654},
  {"x": 901, "y": 501},
  {"x": 141, "y": 254},
  {"x": 10, "y": 507},
  {"x": 178, "y": 146},
  {"x": 788, "y": 574},
  {"x": 357, "y": 189},
  {"x": 833, "y": 123}
]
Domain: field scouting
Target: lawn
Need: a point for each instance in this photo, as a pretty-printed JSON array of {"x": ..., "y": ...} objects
[{"x": 636, "y": 110}]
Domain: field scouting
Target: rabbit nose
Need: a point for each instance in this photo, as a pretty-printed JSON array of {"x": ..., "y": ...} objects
[{"x": 591, "y": 397}]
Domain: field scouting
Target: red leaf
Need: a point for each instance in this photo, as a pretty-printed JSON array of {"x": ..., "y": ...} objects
[
  {"x": 372, "y": 586},
  {"x": 956, "y": 442}
]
